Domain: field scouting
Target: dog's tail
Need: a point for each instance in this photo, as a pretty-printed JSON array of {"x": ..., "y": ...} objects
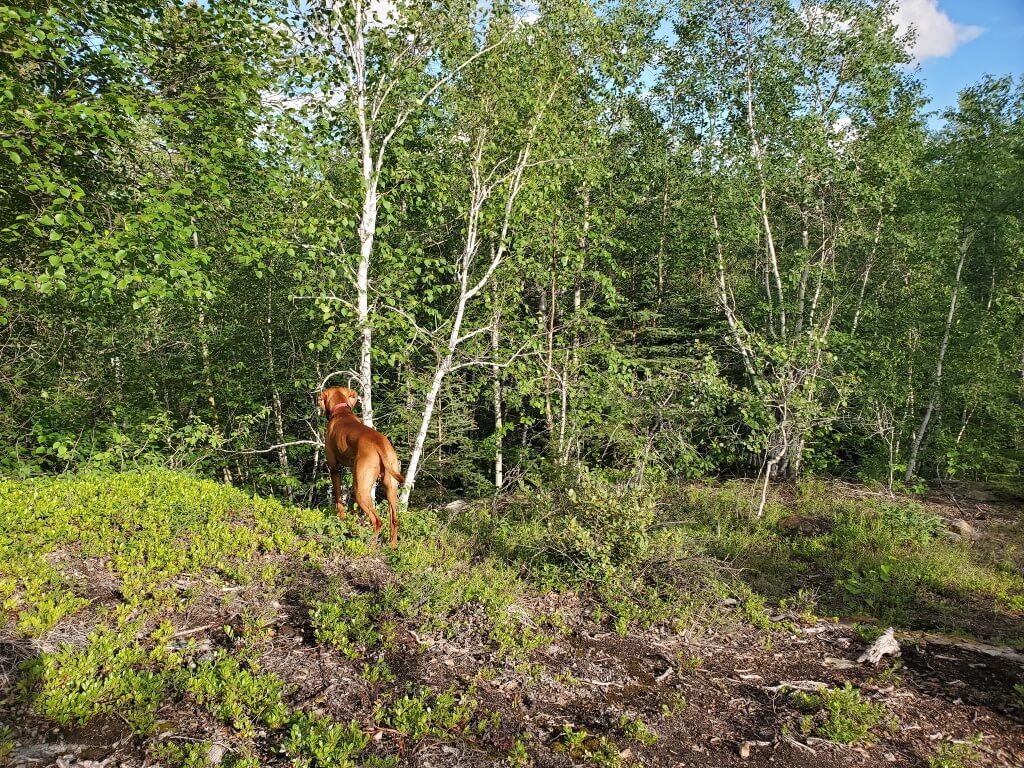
[{"x": 384, "y": 468}]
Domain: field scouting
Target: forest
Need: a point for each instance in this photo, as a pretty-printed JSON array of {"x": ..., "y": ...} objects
[
  {"x": 698, "y": 334},
  {"x": 717, "y": 239}
]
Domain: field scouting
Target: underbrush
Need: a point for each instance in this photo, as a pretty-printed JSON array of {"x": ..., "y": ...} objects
[
  {"x": 110, "y": 639},
  {"x": 645, "y": 553},
  {"x": 100, "y": 576},
  {"x": 147, "y": 529},
  {"x": 838, "y": 714},
  {"x": 888, "y": 558},
  {"x": 602, "y": 539}
]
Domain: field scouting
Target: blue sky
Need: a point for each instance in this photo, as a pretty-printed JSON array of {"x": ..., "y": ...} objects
[{"x": 985, "y": 37}]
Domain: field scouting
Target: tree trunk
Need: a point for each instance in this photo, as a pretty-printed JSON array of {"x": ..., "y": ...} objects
[
  {"x": 805, "y": 242},
  {"x": 480, "y": 194},
  {"x": 937, "y": 382},
  {"x": 421, "y": 435},
  {"x": 765, "y": 221},
  {"x": 367, "y": 231},
  {"x": 549, "y": 331},
  {"x": 282, "y": 451},
  {"x": 368, "y": 218},
  {"x": 662, "y": 239},
  {"x": 867, "y": 274},
  {"x": 723, "y": 299},
  {"x": 499, "y": 425},
  {"x": 571, "y": 366}
]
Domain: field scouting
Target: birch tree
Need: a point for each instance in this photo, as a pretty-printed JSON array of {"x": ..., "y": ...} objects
[
  {"x": 373, "y": 66},
  {"x": 499, "y": 124},
  {"x": 785, "y": 102},
  {"x": 975, "y": 184}
]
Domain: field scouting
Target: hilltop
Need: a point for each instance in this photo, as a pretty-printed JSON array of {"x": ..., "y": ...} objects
[{"x": 155, "y": 618}]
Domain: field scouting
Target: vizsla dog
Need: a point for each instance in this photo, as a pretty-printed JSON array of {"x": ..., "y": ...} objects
[{"x": 366, "y": 451}]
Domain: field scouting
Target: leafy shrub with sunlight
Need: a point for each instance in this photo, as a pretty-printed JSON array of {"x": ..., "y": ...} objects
[
  {"x": 839, "y": 714},
  {"x": 594, "y": 526}
]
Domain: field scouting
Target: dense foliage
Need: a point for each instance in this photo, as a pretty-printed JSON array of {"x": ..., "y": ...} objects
[{"x": 714, "y": 238}]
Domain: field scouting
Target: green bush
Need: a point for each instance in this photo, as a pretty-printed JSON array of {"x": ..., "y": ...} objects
[
  {"x": 951, "y": 754},
  {"x": 840, "y": 715},
  {"x": 114, "y": 672},
  {"x": 581, "y": 533},
  {"x": 425, "y": 714},
  {"x": 238, "y": 696},
  {"x": 603, "y": 525},
  {"x": 435, "y": 579},
  {"x": 583, "y": 746},
  {"x": 348, "y": 624},
  {"x": 151, "y": 527},
  {"x": 315, "y": 741}
]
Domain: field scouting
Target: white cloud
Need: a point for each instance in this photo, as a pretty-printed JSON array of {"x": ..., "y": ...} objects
[
  {"x": 937, "y": 34},
  {"x": 527, "y": 15},
  {"x": 816, "y": 16},
  {"x": 382, "y": 14},
  {"x": 278, "y": 100}
]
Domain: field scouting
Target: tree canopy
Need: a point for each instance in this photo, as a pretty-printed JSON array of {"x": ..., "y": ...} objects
[{"x": 702, "y": 238}]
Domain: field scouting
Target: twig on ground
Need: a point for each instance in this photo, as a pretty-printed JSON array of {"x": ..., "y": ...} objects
[
  {"x": 197, "y": 630},
  {"x": 796, "y": 685}
]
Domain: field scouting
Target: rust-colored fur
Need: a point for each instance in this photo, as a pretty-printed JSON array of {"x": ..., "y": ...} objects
[{"x": 350, "y": 443}]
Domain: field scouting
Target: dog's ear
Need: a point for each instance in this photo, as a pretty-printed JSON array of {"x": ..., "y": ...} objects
[
  {"x": 325, "y": 404},
  {"x": 353, "y": 398}
]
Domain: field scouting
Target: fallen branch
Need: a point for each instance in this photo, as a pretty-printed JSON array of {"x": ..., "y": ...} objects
[
  {"x": 998, "y": 651},
  {"x": 885, "y": 645},
  {"x": 600, "y": 684},
  {"x": 197, "y": 630},
  {"x": 796, "y": 685},
  {"x": 799, "y": 745},
  {"x": 317, "y": 443}
]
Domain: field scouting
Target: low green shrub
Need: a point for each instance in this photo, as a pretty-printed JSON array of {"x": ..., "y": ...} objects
[
  {"x": 350, "y": 624},
  {"x": 237, "y": 695},
  {"x": 316, "y": 741},
  {"x": 422, "y": 714},
  {"x": 839, "y": 714},
  {"x": 584, "y": 747},
  {"x": 113, "y": 672},
  {"x": 435, "y": 581},
  {"x": 149, "y": 528},
  {"x": 952, "y": 754},
  {"x": 637, "y": 730}
]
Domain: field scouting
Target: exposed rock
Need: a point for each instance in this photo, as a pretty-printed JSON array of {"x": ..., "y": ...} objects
[
  {"x": 215, "y": 754},
  {"x": 963, "y": 529}
]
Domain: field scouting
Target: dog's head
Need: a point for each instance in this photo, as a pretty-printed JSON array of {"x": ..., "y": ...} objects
[{"x": 336, "y": 397}]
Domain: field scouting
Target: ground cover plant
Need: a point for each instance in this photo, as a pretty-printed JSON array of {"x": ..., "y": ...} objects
[
  {"x": 695, "y": 327},
  {"x": 199, "y": 623}
]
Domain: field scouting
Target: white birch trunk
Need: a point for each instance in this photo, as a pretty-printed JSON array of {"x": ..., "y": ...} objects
[
  {"x": 368, "y": 218},
  {"x": 765, "y": 221},
  {"x": 282, "y": 451},
  {"x": 937, "y": 383},
  {"x": 480, "y": 193},
  {"x": 499, "y": 424},
  {"x": 867, "y": 274},
  {"x": 723, "y": 299},
  {"x": 367, "y": 230}
]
